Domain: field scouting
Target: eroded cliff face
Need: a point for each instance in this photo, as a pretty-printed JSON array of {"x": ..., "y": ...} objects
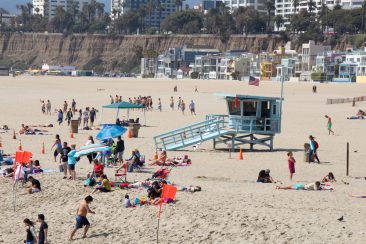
[{"x": 112, "y": 52}]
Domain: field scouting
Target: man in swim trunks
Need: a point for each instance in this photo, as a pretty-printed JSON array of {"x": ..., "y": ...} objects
[{"x": 81, "y": 219}]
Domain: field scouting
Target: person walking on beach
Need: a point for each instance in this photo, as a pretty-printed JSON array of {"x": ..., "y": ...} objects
[
  {"x": 314, "y": 89},
  {"x": 64, "y": 158},
  {"x": 159, "y": 104},
  {"x": 69, "y": 116},
  {"x": 175, "y": 88},
  {"x": 291, "y": 164},
  {"x": 183, "y": 106},
  {"x": 43, "y": 107},
  {"x": 48, "y": 107},
  {"x": 73, "y": 105},
  {"x": 313, "y": 148},
  {"x": 172, "y": 103},
  {"x": 329, "y": 125},
  {"x": 71, "y": 161},
  {"x": 86, "y": 117},
  {"x": 80, "y": 116},
  {"x": 179, "y": 103},
  {"x": 65, "y": 107},
  {"x": 43, "y": 230},
  {"x": 58, "y": 145},
  {"x": 112, "y": 100},
  {"x": 192, "y": 108},
  {"x": 31, "y": 232},
  {"x": 195, "y": 89},
  {"x": 60, "y": 117},
  {"x": 81, "y": 219},
  {"x": 93, "y": 116}
]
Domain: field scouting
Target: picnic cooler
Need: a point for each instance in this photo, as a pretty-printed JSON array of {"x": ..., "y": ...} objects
[
  {"x": 306, "y": 153},
  {"x": 74, "y": 126}
]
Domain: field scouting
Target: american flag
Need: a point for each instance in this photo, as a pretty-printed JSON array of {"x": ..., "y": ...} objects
[{"x": 253, "y": 81}]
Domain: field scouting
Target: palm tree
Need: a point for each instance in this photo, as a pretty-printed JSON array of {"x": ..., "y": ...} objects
[
  {"x": 2, "y": 11},
  {"x": 178, "y": 3},
  {"x": 99, "y": 9},
  {"x": 279, "y": 21},
  {"x": 160, "y": 7},
  {"x": 142, "y": 13},
  {"x": 296, "y": 4},
  {"x": 311, "y": 6},
  {"x": 270, "y": 6},
  {"x": 29, "y": 7},
  {"x": 150, "y": 8},
  {"x": 363, "y": 17}
]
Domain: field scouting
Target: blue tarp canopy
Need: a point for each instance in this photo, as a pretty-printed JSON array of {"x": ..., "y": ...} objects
[
  {"x": 93, "y": 148},
  {"x": 123, "y": 105},
  {"x": 110, "y": 131}
]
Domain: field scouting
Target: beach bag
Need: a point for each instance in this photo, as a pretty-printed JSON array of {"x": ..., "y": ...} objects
[
  {"x": 316, "y": 144},
  {"x": 61, "y": 168}
]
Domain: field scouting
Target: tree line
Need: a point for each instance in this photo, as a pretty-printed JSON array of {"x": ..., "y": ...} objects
[{"x": 220, "y": 21}]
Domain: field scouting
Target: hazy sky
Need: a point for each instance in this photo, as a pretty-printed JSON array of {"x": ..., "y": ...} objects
[{"x": 10, "y": 4}]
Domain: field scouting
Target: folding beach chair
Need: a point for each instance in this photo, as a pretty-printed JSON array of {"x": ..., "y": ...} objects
[{"x": 121, "y": 175}]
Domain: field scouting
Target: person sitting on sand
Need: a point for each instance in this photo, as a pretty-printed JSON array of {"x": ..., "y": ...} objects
[
  {"x": 329, "y": 178},
  {"x": 81, "y": 219},
  {"x": 98, "y": 168},
  {"x": 105, "y": 184},
  {"x": 34, "y": 186},
  {"x": 8, "y": 172},
  {"x": 309, "y": 187},
  {"x": 154, "y": 192},
  {"x": 162, "y": 160},
  {"x": 264, "y": 176},
  {"x": 357, "y": 196}
]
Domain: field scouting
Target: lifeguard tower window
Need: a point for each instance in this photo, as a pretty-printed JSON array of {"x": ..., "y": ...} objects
[
  {"x": 232, "y": 109},
  {"x": 249, "y": 108}
]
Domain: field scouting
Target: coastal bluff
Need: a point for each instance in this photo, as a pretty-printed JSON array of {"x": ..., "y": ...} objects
[{"x": 118, "y": 52}]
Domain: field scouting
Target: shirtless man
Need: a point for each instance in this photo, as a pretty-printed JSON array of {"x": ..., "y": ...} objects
[{"x": 81, "y": 219}]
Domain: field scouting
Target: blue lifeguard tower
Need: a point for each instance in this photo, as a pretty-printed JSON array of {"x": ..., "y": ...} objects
[{"x": 252, "y": 120}]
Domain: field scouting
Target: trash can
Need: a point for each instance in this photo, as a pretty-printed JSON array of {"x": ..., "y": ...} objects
[
  {"x": 134, "y": 128},
  {"x": 306, "y": 153},
  {"x": 74, "y": 126}
]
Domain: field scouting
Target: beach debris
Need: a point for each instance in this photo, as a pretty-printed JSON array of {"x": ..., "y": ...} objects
[{"x": 341, "y": 219}]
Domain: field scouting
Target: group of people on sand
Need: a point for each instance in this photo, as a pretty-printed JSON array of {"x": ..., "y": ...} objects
[
  {"x": 86, "y": 118},
  {"x": 163, "y": 160},
  {"x": 46, "y": 107},
  {"x": 181, "y": 105}
]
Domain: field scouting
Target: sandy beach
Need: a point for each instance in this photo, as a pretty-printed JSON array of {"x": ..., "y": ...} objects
[{"x": 231, "y": 208}]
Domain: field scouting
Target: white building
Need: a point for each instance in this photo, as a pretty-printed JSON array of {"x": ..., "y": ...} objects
[
  {"x": 286, "y": 8},
  {"x": 309, "y": 53},
  {"x": 259, "y": 5},
  {"x": 48, "y": 7}
]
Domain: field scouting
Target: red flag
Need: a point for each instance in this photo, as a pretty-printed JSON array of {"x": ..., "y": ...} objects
[
  {"x": 23, "y": 157},
  {"x": 168, "y": 192},
  {"x": 253, "y": 81}
]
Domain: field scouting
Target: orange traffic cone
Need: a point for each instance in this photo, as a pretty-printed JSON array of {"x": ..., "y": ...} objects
[
  {"x": 129, "y": 134},
  {"x": 20, "y": 148},
  {"x": 241, "y": 154},
  {"x": 14, "y": 136},
  {"x": 43, "y": 148},
  {"x": 156, "y": 155},
  {"x": 72, "y": 135}
]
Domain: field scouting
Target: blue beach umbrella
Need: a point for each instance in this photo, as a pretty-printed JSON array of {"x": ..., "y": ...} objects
[{"x": 110, "y": 131}]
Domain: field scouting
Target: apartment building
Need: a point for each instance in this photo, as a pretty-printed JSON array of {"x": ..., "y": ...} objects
[
  {"x": 259, "y": 5},
  {"x": 47, "y": 8}
]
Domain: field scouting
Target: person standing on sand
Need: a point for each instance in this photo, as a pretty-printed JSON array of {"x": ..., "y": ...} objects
[
  {"x": 183, "y": 106},
  {"x": 31, "y": 232},
  {"x": 43, "y": 230},
  {"x": 58, "y": 145},
  {"x": 314, "y": 89},
  {"x": 112, "y": 100},
  {"x": 60, "y": 117},
  {"x": 172, "y": 103},
  {"x": 179, "y": 103},
  {"x": 65, "y": 106},
  {"x": 195, "y": 89},
  {"x": 159, "y": 104},
  {"x": 93, "y": 116},
  {"x": 175, "y": 88},
  {"x": 313, "y": 148},
  {"x": 329, "y": 125},
  {"x": 291, "y": 164},
  {"x": 43, "y": 107},
  {"x": 64, "y": 158},
  {"x": 81, "y": 219},
  {"x": 73, "y": 105},
  {"x": 69, "y": 116},
  {"x": 86, "y": 117},
  {"x": 48, "y": 107},
  {"x": 192, "y": 108},
  {"x": 71, "y": 161}
]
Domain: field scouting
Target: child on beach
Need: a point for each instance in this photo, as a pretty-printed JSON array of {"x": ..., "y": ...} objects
[
  {"x": 329, "y": 125},
  {"x": 127, "y": 202},
  {"x": 291, "y": 164},
  {"x": 329, "y": 178},
  {"x": 105, "y": 186}
]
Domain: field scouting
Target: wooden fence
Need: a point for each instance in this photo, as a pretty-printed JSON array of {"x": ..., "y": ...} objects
[{"x": 345, "y": 100}]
